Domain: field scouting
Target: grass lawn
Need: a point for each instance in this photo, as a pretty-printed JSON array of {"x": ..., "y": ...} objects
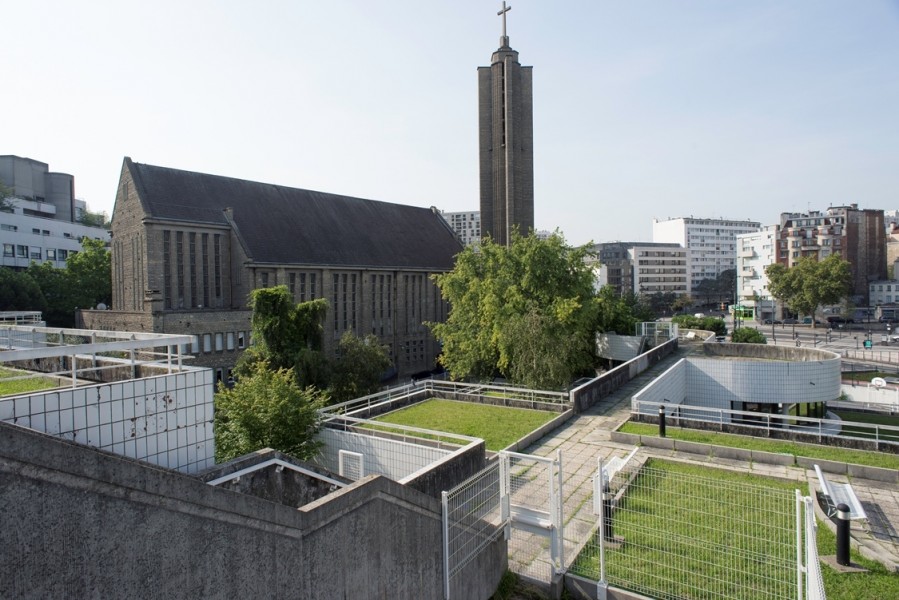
[
  {"x": 857, "y": 457},
  {"x": 22, "y": 386},
  {"x": 873, "y": 418},
  {"x": 867, "y": 375},
  {"x": 498, "y": 426},
  {"x": 722, "y": 514}
]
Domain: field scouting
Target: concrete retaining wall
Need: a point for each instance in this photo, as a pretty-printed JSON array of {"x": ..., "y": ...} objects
[
  {"x": 585, "y": 396},
  {"x": 79, "y": 522}
]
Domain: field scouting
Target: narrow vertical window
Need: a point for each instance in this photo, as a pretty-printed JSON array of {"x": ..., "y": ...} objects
[
  {"x": 292, "y": 284},
  {"x": 302, "y": 287},
  {"x": 335, "y": 285},
  {"x": 167, "y": 268},
  {"x": 192, "y": 249},
  {"x": 179, "y": 257},
  {"x": 205, "y": 265},
  {"x": 218, "y": 265}
]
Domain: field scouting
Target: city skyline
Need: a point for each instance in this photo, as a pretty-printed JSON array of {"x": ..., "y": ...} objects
[{"x": 640, "y": 111}]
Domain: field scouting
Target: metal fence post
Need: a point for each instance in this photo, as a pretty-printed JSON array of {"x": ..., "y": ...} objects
[
  {"x": 446, "y": 569},
  {"x": 661, "y": 420}
]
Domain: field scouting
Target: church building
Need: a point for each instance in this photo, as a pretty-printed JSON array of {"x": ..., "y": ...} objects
[
  {"x": 506, "y": 142},
  {"x": 188, "y": 248}
]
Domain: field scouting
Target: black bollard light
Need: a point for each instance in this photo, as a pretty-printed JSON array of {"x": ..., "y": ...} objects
[
  {"x": 661, "y": 420},
  {"x": 842, "y": 534}
]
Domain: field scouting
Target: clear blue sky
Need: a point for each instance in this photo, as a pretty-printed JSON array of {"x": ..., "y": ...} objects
[{"x": 641, "y": 109}]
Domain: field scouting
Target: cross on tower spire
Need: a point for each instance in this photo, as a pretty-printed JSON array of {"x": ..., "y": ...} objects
[{"x": 504, "y": 41}]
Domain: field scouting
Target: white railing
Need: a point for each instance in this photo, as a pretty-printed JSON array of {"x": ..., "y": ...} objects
[{"x": 771, "y": 422}]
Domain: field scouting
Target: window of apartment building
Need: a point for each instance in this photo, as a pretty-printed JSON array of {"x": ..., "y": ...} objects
[
  {"x": 67, "y": 235},
  {"x": 45, "y": 232},
  {"x": 241, "y": 339},
  {"x": 167, "y": 268},
  {"x": 219, "y": 342},
  {"x": 195, "y": 345},
  {"x": 6, "y": 227},
  {"x": 35, "y": 253},
  {"x": 207, "y": 342},
  {"x": 21, "y": 251},
  {"x": 229, "y": 341},
  {"x": 35, "y": 231},
  {"x": 51, "y": 253},
  {"x": 9, "y": 250},
  {"x": 62, "y": 254}
]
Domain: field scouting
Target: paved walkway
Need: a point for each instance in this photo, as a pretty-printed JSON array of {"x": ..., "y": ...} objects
[{"x": 585, "y": 438}]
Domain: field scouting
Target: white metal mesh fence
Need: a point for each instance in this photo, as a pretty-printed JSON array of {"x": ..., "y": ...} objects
[
  {"x": 676, "y": 533},
  {"x": 535, "y": 548},
  {"x": 472, "y": 520},
  {"x": 814, "y": 581}
]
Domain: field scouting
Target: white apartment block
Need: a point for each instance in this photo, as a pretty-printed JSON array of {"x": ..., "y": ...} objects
[
  {"x": 42, "y": 225},
  {"x": 883, "y": 292},
  {"x": 711, "y": 243},
  {"x": 659, "y": 269},
  {"x": 755, "y": 251},
  {"x": 467, "y": 225}
]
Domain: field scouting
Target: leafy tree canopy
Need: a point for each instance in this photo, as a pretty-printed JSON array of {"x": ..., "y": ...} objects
[
  {"x": 92, "y": 219},
  {"x": 525, "y": 310},
  {"x": 6, "y": 204},
  {"x": 702, "y": 323},
  {"x": 19, "y": 291},
  {"x": 358, "y": 368},
  {"x": 267, "y": 409},
  {"x": 810, "y": 283},
  {"x": 748, "y": 335}
]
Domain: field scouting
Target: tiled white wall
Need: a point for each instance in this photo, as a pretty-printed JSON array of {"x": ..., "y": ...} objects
[
  {"x": 670, "y": 387},
  {"x": 165, "y": 420},
  {"x": 390, "y": 458},
  {"x": 716, "y": 382}
]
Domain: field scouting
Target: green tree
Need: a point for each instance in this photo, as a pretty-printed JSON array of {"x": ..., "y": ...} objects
[
  {"x": 58, "y": 292},
  {"x": 498, "y": 293},
  {"x": 358, "y": 368},
  {"x": 810, "y": 283},
  {"x": 682, "y": 302},
  {"x": 286, "y": 335},
  {"x": 703, "y": 323},
  {"x": 90, "y": 274},
  {"x": 92, "y": 219},
  {"x": 614, "y": 312},
  {"x": 748, "y": 335},
  {"x": 267, "y": 409},
  {"x": 6, "y": 204},
  {"x": 19, "y": 291}
]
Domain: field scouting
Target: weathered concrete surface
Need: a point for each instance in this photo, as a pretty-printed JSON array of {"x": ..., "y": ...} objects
[{"x": 82, "y": 523}]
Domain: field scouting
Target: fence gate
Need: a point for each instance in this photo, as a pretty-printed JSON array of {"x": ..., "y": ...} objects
[{"x": 531, "y": 499}]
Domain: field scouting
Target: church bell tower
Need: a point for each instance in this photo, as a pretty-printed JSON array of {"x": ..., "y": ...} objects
[{"x": 506, "y": 141}]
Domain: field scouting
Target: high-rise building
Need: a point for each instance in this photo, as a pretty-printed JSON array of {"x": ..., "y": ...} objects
[
  {"x": 643, "y": 267},
  {"x": 755, "y": 251},
  {"x": 506, "y": 142},
  {"x": 467, "y": 225},
  {"x": 42, "y": 221},
  {"x": 856, "y": 235},
  {"x": 711, "y": 243}
]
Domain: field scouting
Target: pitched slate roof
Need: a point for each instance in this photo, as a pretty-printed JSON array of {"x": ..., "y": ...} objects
[{"x": 284, "y": 225}]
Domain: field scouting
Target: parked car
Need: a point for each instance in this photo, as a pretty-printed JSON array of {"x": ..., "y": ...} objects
[
  {"x": 886, "y": 319},
  {"x": 790, "y": 321},
  {"x": 836, "y": 320},
  {"x": 808, "y": 321},
  {"x": 773, "y": 322}
]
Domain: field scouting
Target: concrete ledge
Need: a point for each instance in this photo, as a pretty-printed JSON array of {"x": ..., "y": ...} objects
[
  {"x": 828, "y": 466},
  {"x": 657, "y": 442},
  {"x": 875, "y": 473},
  {"x": 624, "y": 438},
  {"x": 731, "y": 453},
  {"x": 693, "y": 447},
  {"x": 540, "y": 432},
  {"x": 773, "y": 458},
  {"x": 581, "y": 588}
]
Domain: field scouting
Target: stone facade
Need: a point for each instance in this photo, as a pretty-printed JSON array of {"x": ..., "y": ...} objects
[
  {"x": 506, "y": 143},
  {"x": 189, "y": 268}
]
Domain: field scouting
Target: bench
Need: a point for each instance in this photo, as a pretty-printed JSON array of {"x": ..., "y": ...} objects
[{"x": 834, "y": 494}]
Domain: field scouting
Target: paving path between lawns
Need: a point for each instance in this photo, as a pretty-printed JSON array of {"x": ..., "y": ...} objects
[{"x": 586, "y": 437}]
